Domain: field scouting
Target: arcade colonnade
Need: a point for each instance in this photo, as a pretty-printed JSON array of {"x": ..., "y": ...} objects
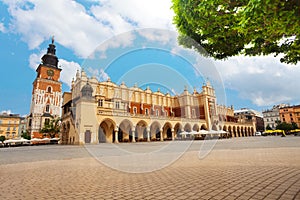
[{"x": 128, "y": 130}]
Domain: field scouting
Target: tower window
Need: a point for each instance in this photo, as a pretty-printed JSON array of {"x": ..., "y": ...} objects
[
  {"x": 47, "y": 108},
  {"x": 49, "y": 89},
  {"x": 157, "y": 112},
  {"x": 134, "y": 110}
]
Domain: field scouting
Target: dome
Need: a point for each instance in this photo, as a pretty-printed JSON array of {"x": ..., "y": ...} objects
[{"x": 87, "y": 90}]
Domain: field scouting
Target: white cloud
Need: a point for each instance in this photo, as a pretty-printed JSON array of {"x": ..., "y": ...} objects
[
  {"x": 35, "y": 59},
  {"x": 69, "y": 69},
  {"x": 263, "y": 80},
  {"x": 6, "y": 112},
  {"x": 2, "y": 28},
  {"x": 83, "y": 29},
  {"x": 103, "y": 76}
]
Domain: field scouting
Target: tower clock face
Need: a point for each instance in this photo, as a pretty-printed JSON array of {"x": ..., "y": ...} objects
[{"x": 50, "y": 72}]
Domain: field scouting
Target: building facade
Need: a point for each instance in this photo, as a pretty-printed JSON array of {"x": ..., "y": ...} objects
[
  {"x": 9, "y": 125},
  {"x": 245, "y": 115},
  {"x": 290, "y": 114},
  {"x": 95, "y": 112},
  {"x": 46, "y": 93},
  {"x": 22, "y": 126},
  {"x": 271, "y": 116}
]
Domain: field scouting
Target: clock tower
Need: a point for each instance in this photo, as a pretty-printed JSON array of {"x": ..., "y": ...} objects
[{"x": 46, "y": 98}]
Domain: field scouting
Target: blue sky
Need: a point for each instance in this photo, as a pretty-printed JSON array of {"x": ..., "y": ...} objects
[{"x": 80, "y": 27}]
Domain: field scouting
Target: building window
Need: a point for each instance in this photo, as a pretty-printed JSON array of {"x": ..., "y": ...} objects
[
  {"x": 193, "y": 113},
  {"x": 14, "y": 128},
  {"x": 157, "y": 112},
  {"x": 13, "y": 134},
  {"x": 47, "y": 108},
  {"x": 291, "y": 114},
  {"x": 47, "y": 121},
  {"x": 117, "y": 105},
  {"x": 283, "y": 119},
  {"x": 7, "y": 134},
  {"x": 146, "y": 111},
  {"x": 49, "y": 89},
  {"x": 100, "y": 102},
  {"x": 292, "y": 119},
  {"x": 8, "y": 129},
  {"x": 0, "y": 122},
  {"x": 166, "y": 113},
  {"x": 134, "y": 110}
]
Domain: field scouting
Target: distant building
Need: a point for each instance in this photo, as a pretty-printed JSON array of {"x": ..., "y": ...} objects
[
  {"x": 46, "y": 93},
  {"x": 290, "y": 114},
  {"x": 96, "y": 112},
  {"x": 246, "y": 115},
  {"x": 9, "y": 125},
  {"x": 22, "y": 126},
  {"x": 271, "y": 116}
]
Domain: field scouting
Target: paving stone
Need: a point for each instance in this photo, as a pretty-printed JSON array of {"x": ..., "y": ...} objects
[{"x": 245, "y": 173}]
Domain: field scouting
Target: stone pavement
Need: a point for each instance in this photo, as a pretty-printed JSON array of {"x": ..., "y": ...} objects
[{"x": 264, "y": 171}]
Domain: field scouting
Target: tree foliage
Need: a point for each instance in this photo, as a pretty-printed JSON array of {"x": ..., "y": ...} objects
[
  {"x": 2, "y": 138},
  {"x": 268, "y": 127},
  {"x": 52, "y": 128},
  {"x": 294, "y": 125},
  {"x": 284, "y": 126},
  {"x": 226, "y": 28},
  {"x": 26, "y": 135}
]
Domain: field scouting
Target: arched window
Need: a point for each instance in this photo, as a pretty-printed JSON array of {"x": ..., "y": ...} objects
[{"x": 49, "y": 89}]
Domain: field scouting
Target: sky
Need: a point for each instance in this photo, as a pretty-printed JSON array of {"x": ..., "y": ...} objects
[{"x": 113, "y": 27}]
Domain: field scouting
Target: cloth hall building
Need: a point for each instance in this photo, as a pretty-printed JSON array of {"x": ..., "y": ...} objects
[{"x": 96, "y": 112}]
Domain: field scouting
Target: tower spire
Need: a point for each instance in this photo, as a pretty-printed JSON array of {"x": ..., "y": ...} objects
[{"x": 50, "y": 58}]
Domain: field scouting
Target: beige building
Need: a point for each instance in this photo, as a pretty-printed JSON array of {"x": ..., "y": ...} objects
[
  {"x": 9, "y": 125},
  {"x": 95, "y": 112}
]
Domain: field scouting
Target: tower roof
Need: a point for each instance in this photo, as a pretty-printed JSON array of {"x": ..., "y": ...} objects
[{"x": 50, "y": 59}]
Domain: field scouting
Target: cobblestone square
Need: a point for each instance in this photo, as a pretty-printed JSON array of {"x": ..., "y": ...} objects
[{"x": 238, "y": 168}]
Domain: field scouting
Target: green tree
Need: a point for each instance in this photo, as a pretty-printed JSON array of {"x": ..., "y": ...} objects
[
  {"x": 284, "y": 126},
  {"x": 52, "y": 128},
  {"x": 2, "y": 138},
  {"x": 226, "y": 28},
  {"x": 294, "y": 125},
  {"x": 26, "y": 135},
  {"x": 268, "y": 127}
]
